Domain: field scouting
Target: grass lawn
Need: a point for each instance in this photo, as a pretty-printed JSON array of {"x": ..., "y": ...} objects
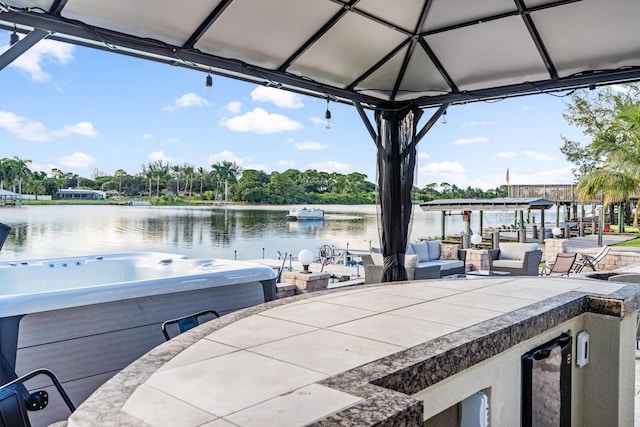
[{"x": 634, "y": 243}]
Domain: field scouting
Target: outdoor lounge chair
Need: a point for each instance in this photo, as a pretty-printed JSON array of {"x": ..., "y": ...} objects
[
  {"x": 562, "y": 265},
  {"x": 591, "y": 261},
  {"x": 518, "y": 259}
]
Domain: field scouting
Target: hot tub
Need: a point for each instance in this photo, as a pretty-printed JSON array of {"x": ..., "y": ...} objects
[{"x": 87, "y": 317}]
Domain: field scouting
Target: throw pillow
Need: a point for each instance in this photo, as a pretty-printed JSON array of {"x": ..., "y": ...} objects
[
  {"x": 422, "y": 250},
  {"x": 449, "y": 251},
  {"x": 434, "y": 249}
]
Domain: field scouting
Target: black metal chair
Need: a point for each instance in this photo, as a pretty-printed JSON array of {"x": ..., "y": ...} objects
[
  {"x": 186, "y": 322},
  {"x": 15, "y": 400},
  {"x": 4, "y": 232}
]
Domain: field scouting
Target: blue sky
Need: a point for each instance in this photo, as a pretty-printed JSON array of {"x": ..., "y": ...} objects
[{"x": 79, "y": 110}]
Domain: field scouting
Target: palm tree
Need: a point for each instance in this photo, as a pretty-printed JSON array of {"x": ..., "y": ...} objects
[
  {"x": 177, "y": 171},
  {"x": 16, "y": 170},
  {"x": 202, "y": 173},
  {"x": 227, "y": 172},
  {"x": 188, "y": 171},
  {"x": 119, "y": 174},
  {"x": 619, "y": 176},
  {"x": 36, "y": 186}
]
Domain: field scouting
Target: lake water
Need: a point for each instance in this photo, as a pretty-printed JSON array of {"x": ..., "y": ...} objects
[{"x": 203, "y": 232}]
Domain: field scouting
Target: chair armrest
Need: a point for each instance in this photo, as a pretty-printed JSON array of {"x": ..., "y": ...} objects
[
  {"x": 493, "y": 255},
  {"x": 531, "y": 261}
]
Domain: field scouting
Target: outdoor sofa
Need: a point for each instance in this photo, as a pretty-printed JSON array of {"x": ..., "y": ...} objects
[
  {"x": 519, "y": 259},
  {"x": 428, "y": 259}
]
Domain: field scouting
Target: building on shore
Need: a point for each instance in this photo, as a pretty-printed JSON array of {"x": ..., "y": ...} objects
[{"x": 81, "y": 194}]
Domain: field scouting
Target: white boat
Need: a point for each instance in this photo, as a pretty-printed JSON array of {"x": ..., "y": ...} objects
[{"x": 305, "y": 214}]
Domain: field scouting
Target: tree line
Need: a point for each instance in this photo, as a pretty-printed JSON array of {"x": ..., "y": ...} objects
[{"x": 164, "y": 183}]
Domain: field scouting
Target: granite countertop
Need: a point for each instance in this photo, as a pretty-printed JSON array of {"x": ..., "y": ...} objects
[{"x": 350, "y": 356}]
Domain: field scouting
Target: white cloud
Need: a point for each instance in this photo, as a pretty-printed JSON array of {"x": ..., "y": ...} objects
[
  {"x": 309, "y": 145},
  {"x": 260, "y": 122},
  {"x": 76, "y": 161},
  {"x": 32, "y": 60},
  {"x": 538, "y": 156},
  {"x": 159, "y": 155},
  {"x": 173, "y": 140},
  {"x": 506, "y": 154},
  {"x": 82, "y": 128},
  {"x": 34, "y": 166},
  {"x": 234, "y": 107},
  {"x": 281, "y": 98},
  {"x": 28, "y": 130},
  {"x": 442, "y": 168},
  {"x": 527, "y": 108},
  {"x": 257, "y": 166},
  {"x": 287, "y": 163},
  {"x": 424, "y": 156},
  {"x": 330, "y": 166},
  {"x": 619, "y": 88},
  {"x": 561, "y": 175},
  {"x": 187, "y": 100},
  {"x": 476, "y": 140},
  {"x": 320, "y": 121},
  {"x": 477, "y": 123},
  {"x": 228, "y": 156},
  {"x": 147, "y": 136}
]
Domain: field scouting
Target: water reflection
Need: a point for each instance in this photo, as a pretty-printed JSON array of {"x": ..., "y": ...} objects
[{"x": 245, "y": 232}]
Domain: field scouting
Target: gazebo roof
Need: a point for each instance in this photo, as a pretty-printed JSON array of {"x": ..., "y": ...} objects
[
  {"x": 366, "y": 52},
  {"x": 497, "y": 204}
]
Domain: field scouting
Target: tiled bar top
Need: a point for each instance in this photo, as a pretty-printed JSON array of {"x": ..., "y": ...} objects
[{"x": 349, "y": 356}]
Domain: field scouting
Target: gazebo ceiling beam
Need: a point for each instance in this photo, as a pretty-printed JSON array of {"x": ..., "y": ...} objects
[
  {"x": 322, "y": 31},
  {"x": 537, "y": 40},
  {"x": 206, "y": 24},
  {"x": 24, "y": 44},
  {"x": 412, "y": 45}
]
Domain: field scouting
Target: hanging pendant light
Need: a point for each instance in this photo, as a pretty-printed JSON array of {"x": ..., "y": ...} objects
[{"x": 327, "y": 116}]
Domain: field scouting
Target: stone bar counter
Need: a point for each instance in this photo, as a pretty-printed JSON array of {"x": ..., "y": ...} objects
[{"x": 389, "y": 354}]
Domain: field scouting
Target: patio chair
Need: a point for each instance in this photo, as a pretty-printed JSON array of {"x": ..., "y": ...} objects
[
  {"x": 562, "y": 264},
  {"x": 591, "y": 261},
  {"x": 15, "y": 400},
  {"x": 187, "y": 322}
]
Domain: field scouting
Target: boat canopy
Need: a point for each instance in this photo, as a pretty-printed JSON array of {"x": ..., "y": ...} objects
[{"x": 497, "y": 204}]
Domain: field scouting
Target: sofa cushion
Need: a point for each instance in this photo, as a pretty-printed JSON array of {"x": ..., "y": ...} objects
[
  {"x": 515, "y": 251},
  {"x": 409, "y": 250},
  {"x": 422, "y": 250},
  {"x": 410, "y": 261},
  {"x": 444, "y": 264},
  {"x": 508, "y": 263},
  {"x": 434, "y": 249}
]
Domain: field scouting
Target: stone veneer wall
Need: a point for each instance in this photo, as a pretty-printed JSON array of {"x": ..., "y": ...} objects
[{"x": 614, "y": 259}]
